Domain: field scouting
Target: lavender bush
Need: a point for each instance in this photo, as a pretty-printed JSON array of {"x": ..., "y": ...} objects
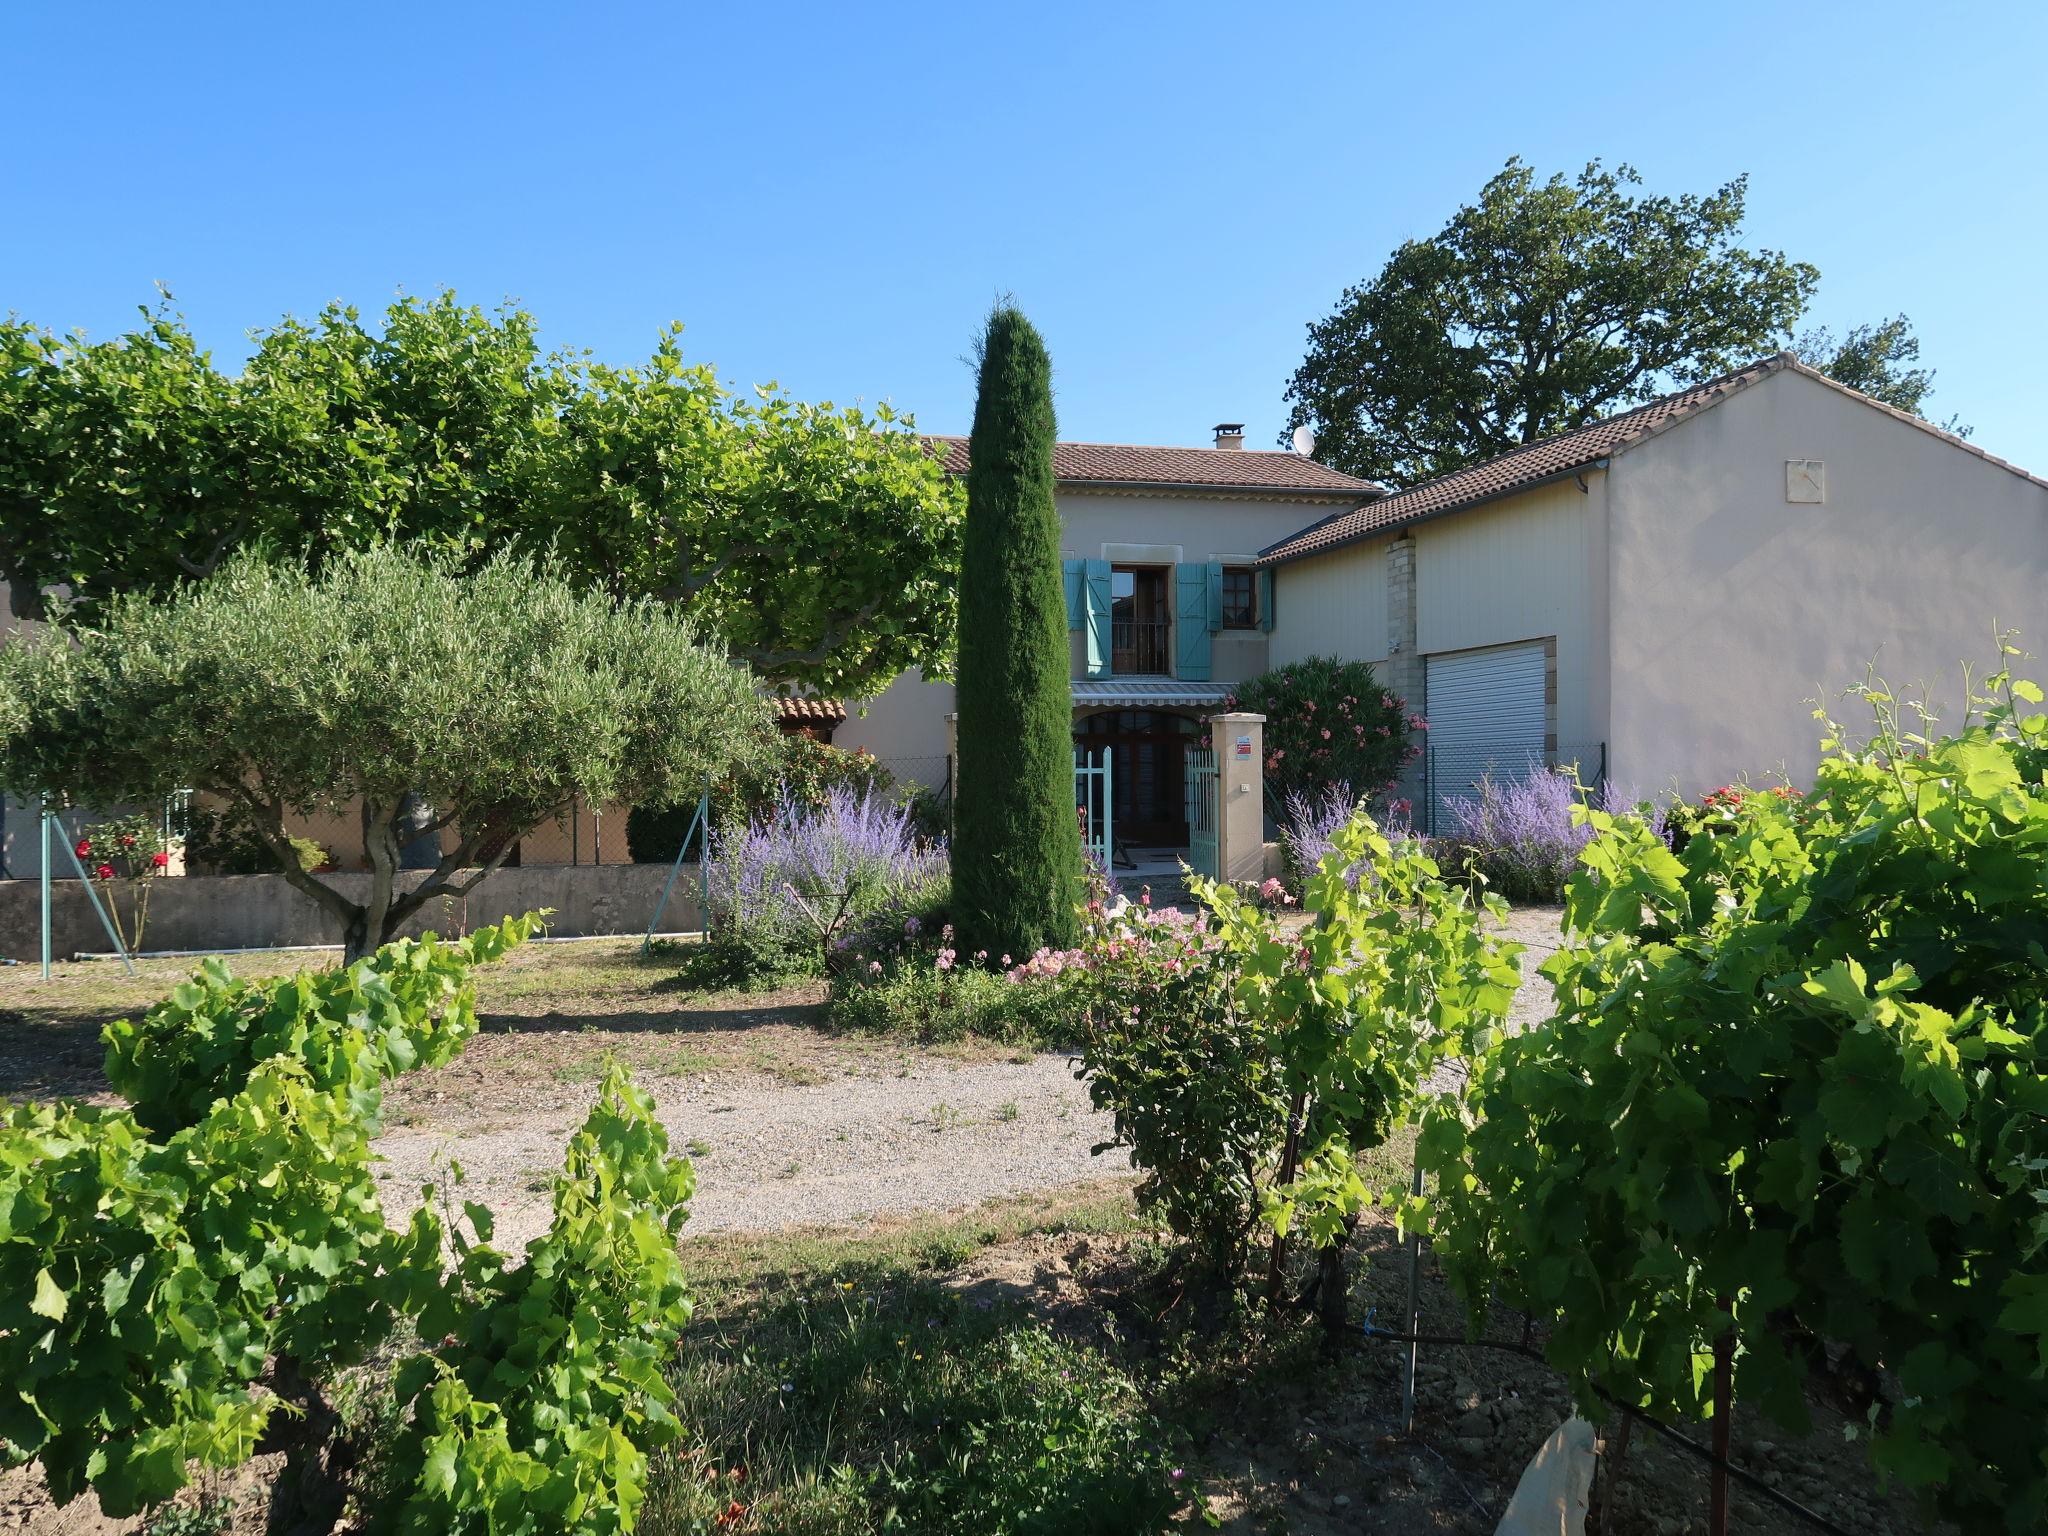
[
  {"x": 1517, "y": 831},
  {"x": 785, "y": 887},
  {"x": 1314, "y": 817}
]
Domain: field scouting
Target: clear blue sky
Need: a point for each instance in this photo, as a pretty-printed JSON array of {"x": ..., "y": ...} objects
[{"x": 831, "y": 195}]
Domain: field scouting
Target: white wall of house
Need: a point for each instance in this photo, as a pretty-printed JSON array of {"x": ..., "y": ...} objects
[
  {"x": 904, "y": 724},
  {"x": 907, "y": 720},
  {"x": 1530, "y": 567},
  {"x": 1335, "y": 605},
  {"x": 1732, "y": 607}
]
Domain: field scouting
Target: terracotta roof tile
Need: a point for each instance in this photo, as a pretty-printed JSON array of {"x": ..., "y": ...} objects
[
  {"x": 1521, "y": 468},
  {"x": 1515, "y": 470},
  {"x": 793, "y": 707},
  {"x": 1116, "y": 466}
]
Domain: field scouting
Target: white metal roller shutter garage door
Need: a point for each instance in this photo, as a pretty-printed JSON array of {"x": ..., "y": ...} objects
[{"x": 1485, "y": 712}]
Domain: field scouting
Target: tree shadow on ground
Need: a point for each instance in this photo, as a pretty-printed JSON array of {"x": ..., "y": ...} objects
[{"x": 54, "y": 1054}]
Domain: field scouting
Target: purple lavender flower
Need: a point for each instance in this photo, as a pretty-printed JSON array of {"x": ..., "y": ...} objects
[
  {"x": 761, "y": 875},
  {"x": 1517, "y": 829}
]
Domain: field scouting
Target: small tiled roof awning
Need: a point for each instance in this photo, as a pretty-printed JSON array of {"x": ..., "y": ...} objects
[
  {"x": 1145, "y": 692},
  {"x": 809, "y": 710}
]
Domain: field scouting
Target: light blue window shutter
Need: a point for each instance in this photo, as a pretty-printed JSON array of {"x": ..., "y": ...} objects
[
  {"x": 1191, "y": 622},
  {"x": 1266, "y": 601},
  {"x": 1076, "y": 592},
  {"x": 1215, "y": 596},
  {"x": 1097, "y": 582}
]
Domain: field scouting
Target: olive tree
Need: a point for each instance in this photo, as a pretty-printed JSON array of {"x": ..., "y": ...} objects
[
  {"x": 820, "y": 543},
  {"x": 498, "y": 694}
]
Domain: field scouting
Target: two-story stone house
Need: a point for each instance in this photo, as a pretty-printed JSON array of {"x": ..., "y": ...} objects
[{"x": 1164, "y": 608}]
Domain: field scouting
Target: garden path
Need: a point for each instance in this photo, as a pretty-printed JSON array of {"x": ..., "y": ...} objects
[{"x": 931, "y": 1135}]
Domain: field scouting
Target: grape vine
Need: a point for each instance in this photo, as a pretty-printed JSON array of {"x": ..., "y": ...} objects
[
  {"x": 178, "y": 1277},
  {"x": 1794, "y": 1092}
]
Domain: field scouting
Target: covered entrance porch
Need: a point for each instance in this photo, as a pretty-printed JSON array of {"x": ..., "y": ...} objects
[{"x": 1151, "y": 740}]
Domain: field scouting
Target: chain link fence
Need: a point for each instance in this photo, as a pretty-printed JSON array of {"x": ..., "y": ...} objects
[{"x": 1453, "y": 771}]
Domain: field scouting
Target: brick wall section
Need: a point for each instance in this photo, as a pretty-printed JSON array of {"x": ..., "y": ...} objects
[{"x": 1404, "y": 670}]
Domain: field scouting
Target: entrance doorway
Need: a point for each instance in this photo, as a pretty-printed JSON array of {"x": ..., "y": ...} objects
[{"x": 1148, "y": 781}]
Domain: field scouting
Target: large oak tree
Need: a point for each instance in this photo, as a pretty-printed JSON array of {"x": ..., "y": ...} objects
[
  {"x": 1546, "y": 305},
  {"x": 820, "y": 543}
]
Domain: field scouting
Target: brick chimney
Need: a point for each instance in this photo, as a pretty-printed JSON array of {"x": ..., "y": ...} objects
[{"x": 1229, "y": 434}]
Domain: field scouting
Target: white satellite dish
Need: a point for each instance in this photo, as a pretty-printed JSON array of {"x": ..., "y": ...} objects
[{"x": 1304, "y": 441}]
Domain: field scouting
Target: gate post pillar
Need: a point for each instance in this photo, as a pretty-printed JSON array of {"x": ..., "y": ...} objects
[{"x": 1241, "y": 795}]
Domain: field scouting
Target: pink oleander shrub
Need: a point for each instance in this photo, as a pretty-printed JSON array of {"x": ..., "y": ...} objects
[{"x": 1330, "y": 723}]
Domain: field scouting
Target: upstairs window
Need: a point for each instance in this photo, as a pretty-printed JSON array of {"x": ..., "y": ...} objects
[{"x": 1240, "y": 597}]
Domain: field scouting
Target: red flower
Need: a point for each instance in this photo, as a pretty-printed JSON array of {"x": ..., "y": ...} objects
[
  {"x": 127, "y": 839},
  {"x": 84, "y": 848},
  {"x": 104, "y": 872},
  {"x": 161, "y": 860}
]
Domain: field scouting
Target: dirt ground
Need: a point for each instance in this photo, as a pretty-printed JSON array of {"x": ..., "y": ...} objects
[{"x": 1309, "y": 1447}]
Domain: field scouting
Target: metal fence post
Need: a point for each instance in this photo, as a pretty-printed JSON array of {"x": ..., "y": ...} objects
[
  {"x": 102, "y": 913},
  {"x": 1410, "y": 1321},
  {"x": 46, "y": 892}
]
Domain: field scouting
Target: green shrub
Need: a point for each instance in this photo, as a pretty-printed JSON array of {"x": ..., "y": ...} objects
[
  {"x": 1329, "y": 723},
  {"x": 221, "y": 841},
  {"x": 1251, "y": 1066},
  {"x": 744, "y": 958},
  {"x": 1190, "y": 1078},
  {"x": 923, "y": 1003},
  {"x": 655, "y": 833},
  {"x": 1794, "y": 1091}
]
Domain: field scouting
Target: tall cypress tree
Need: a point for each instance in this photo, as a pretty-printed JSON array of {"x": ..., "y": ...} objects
[{"x": 1016, "y": 844}]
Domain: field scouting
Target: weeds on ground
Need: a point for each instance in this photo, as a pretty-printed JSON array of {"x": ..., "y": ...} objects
[{"x": 856, "y": 1392}]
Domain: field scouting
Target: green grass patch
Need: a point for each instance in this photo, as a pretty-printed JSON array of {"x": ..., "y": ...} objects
[{"x": 835, "y": 1385}]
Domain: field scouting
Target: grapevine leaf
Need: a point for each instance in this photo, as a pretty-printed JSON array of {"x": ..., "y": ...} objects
[
  {"x": 1862, "y": 1091},
  {"x": 2026, "y": 1310},
  {"x": 50, "y": 1297}
]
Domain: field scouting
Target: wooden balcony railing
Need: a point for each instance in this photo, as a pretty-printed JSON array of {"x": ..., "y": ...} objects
[{"x": 1141, "y": 646}]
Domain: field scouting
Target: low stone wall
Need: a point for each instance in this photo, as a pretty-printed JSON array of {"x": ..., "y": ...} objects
[{"x": 263, "y": 911}]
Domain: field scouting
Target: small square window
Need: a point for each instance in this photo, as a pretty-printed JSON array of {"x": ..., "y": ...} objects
[{"x": 1240, "y": 597}]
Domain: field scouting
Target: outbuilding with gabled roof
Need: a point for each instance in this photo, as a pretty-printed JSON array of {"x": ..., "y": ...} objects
[{"x": 1664, "y": 596}]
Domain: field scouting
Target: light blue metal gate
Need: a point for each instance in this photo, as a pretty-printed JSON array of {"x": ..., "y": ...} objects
[
  {"x": 1202, "y": 809},
  {"x": 1093, "y": 797}
]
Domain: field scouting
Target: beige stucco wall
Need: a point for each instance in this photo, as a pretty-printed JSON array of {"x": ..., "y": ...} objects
[
  {"x": 1732, "y": 607},
  {"x": 1332, "y": 606},
  {"x": 905, "y": 726},
  {"x": 1527, "y": 567},
  {"x": 907, "y": 721}
]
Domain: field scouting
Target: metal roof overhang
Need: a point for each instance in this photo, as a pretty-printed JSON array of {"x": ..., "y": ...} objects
[{"x": 1144, "y": 692}]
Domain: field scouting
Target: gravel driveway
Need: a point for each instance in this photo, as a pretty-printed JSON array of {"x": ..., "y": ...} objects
[
  {"x": 937, "y": 1136},
  {"x": 835, "y": 1133}
]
